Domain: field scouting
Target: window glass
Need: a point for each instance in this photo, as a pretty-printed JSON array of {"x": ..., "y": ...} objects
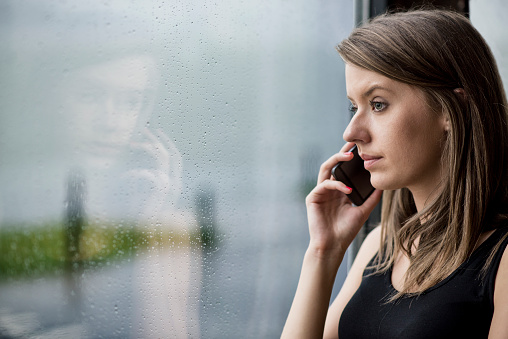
[
  {"x": 488, "y": 18},
  {"x": 154, "y": 159}
]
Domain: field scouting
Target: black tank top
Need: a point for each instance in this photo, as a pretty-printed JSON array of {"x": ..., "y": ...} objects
[{"x": 461, "y": 306}]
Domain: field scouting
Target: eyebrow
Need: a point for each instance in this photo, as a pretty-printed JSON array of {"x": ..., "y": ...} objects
[{"x": 372, "y": 89}]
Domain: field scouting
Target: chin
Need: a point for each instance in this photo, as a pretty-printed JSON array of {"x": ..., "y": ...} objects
[{"x": 383, "y": 183}]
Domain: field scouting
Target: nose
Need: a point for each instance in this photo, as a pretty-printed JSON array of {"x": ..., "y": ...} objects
[{"x": 357, "y": 130}]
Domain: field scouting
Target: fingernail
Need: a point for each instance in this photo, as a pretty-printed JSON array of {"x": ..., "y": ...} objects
[
  {"x": 348, "y": 153},
  {"x": 349, "y": 188}
]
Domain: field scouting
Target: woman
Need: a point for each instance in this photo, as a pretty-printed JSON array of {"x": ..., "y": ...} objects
[{"x": 430, "y": 123}]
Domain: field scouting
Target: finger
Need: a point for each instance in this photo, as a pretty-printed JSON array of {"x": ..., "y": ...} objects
[
  {"x": 324, "y": 188},
  {"x": 153, "y": 147},
  {"x": 371, "y": 202},
  {"x": 347, "y": 147},
  {"x": 325, "y": 171}
]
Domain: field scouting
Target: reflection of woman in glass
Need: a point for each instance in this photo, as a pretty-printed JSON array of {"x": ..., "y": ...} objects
[
  {"x": 79, "y": 139},
  {"x": 133, "y": 176},
  {"x": 108, "y": 106},
  {"x": 430, "y": 123}
]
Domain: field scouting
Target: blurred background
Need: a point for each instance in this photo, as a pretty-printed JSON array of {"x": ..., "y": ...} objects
[{"x": 155, "y": 157}]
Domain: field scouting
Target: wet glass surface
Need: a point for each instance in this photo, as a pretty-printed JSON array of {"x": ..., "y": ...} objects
[{"x": 154, "y": 159}]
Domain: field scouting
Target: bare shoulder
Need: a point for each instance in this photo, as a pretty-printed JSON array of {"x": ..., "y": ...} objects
[
  {"x": 369, "y": 248},
  {"x": 499, "y": 326}
]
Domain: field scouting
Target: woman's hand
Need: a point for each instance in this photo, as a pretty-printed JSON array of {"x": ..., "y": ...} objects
[
  {"x": 333, "y": 224},
  {"x": 333, "y": 220}
]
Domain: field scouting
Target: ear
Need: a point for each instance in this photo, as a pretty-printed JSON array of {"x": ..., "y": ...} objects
[
  {"x": 461, "y": 93},
  {"x": 445, "y": 120}
]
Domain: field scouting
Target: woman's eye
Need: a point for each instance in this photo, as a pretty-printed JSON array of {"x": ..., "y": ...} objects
[
  {"x": 378, "y": 106},
  {"x": 353, "y": 108}
]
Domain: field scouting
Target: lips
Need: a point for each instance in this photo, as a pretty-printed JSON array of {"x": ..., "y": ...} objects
[{"x": 369, "y": 160}]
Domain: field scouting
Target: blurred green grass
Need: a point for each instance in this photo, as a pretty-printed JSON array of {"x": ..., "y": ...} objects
[{"x": 31, "y": 252}]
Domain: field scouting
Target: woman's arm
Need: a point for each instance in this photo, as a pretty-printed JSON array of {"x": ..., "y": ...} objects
[
  {"x": 499, "y": 325},
  {"x": 308, "y": 312},
  {"x": 333, "y": 224}
]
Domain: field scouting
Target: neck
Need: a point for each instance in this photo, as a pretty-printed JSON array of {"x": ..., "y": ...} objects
[{"x": 422, "y": 196}]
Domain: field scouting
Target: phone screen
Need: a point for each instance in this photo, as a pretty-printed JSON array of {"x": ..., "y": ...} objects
[{"x": 353, "y": 174}]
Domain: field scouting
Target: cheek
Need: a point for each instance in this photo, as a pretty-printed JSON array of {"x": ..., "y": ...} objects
[
  {"x": 423, "y": 146},
  {"x": 400, "y": 137},
  {"x": 414, "y": 142}
]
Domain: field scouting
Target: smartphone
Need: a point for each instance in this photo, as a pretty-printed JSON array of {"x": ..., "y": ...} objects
[{"x": 353, "y": 174}]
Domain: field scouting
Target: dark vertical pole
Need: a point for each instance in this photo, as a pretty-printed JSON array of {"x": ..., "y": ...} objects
[
  {"x": 205, "y": 212},
  {"x": 74, "y": 221},
  {"x": 206, "y": 217}
]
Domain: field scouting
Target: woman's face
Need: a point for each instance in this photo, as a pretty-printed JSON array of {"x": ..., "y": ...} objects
[
  {"x": 398, "y": 135},
  {"x": 104, "y": 103}
]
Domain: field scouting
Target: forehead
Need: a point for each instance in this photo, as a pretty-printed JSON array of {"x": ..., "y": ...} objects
[
  {"x": 130, "y": 73},
  {"x": 363, "y": 82}
]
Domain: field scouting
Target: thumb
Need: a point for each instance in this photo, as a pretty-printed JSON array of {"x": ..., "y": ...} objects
[{"x": 371, "y": 202}]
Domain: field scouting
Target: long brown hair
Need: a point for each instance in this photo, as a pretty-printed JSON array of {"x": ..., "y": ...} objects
[{"x": 441, "y": 53}]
